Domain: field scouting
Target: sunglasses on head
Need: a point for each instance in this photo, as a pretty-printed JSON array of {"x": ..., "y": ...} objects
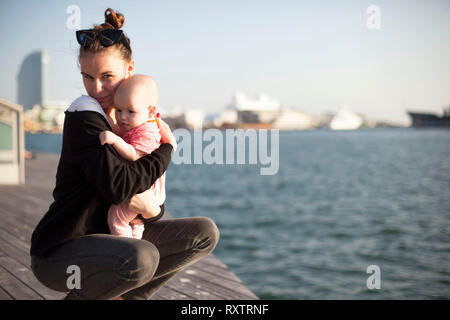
[{"x": 107, "y": 37}]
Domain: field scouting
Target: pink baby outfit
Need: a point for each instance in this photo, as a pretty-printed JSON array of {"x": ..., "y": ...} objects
[{"x": 121, "y": 220}]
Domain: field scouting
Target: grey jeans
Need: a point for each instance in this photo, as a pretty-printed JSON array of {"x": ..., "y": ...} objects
[{"x": 112, "y": 266}]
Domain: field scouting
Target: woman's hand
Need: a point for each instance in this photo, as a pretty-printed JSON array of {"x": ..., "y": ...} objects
[
  {"x": 166, "y": 134},
  {"x": 145, "y": 204}
]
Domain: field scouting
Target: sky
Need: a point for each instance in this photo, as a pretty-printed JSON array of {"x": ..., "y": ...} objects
[{"x": 314, "y": 56}]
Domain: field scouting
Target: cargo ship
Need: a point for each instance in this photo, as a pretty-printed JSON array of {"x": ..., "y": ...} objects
[{"x": 429, "y": 119}]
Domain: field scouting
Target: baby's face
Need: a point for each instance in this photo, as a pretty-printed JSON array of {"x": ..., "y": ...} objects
[{"x": 130, "y": 111}]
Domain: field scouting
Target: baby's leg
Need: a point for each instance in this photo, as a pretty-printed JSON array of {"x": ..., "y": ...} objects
[
  {"x": 119, "y": 218},
  {"x": 137, "y": 228},
  {"x": 145, "y": 204}
]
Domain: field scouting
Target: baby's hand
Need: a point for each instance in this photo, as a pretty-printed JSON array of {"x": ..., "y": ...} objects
[{"x": 107, "y": 137}]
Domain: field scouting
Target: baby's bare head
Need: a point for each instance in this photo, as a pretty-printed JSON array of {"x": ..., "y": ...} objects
[{"x": 139, "y": 91}]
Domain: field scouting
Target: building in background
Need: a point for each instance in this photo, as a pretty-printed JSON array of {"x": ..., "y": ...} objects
[
  {"x": 244, "y": 111},
  {"x": 225, "y": 119},
  {"x": 32, "y": 93},
  {"x": 426, "y": 119},
  {"x": 290, "y": 119},
  {"x": 346, "y": 120},
  {"x": 263, "y": 112},
  {"x": 32, "y": 80},
  {"x": 259, "y": 110},
  {"x": 191, "y": 118}
]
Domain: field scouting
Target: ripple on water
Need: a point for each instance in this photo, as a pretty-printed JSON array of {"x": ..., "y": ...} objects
[{"x": 340, "y": 202}]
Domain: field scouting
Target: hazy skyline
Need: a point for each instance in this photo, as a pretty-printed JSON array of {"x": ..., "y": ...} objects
[{"x": 311, "y": 56}]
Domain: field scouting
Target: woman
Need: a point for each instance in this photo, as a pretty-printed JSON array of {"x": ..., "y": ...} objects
[{"x": 91, "y": 177}]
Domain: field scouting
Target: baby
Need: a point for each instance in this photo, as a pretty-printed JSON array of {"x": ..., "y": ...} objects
[{"x": 135, "y": 102}]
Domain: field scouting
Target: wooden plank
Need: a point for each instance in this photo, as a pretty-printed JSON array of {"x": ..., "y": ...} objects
[
  {"x": 225, "y": 286},
  {"x": 195, "y": 291},
  {"x": 218, "y": 271},
  {"x": 11, "y": 251},
  {"x": 4, "y": 295},
  {"x": 24, "y": 220},
  {"x": 166, "y": 293},
  {"x": 9, "y": 236},
  {"x": 23, "y": 206},
  {"x": 15, "y": 233},
  {"x": 16, "y": 288},
  {"x": 184, "y": 281},
  {"x": 25, "y": 275},
  {"x": 26, "y": 211}
]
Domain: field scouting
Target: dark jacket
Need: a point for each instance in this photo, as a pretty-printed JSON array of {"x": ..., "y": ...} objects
[{"x": 91, "y": 177}]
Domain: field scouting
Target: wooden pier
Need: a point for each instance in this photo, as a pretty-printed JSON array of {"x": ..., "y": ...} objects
[{"x": 21, "y": 208}]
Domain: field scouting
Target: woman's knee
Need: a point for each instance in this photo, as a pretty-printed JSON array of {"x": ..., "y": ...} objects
[
  {"x": 209, "y": 233},
  {"x": 141, "y": 262}
]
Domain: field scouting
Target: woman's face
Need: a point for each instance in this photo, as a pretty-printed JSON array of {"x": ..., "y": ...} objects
[{"x": 102, "y": 73}]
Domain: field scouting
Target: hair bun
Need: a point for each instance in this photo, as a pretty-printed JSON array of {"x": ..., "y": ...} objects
[{"x": 115, "y": 19}]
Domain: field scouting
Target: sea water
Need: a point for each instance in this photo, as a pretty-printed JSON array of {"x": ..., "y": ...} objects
[{"x": 340, "y": 203}]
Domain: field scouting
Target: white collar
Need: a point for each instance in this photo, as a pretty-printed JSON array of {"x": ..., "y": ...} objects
[{"x": 87, "y": 103}]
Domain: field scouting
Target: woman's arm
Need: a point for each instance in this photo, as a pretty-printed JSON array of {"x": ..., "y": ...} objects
[
  {"x": 114, "y": 179},
  {"x": 143, "y": 203}
]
